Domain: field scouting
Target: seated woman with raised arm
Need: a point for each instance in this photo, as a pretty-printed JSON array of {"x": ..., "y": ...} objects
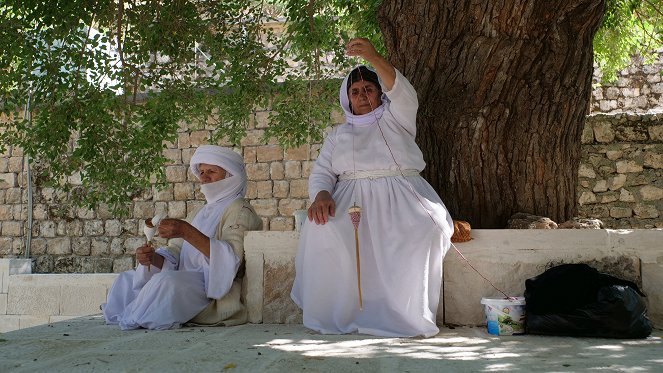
[{"x": 404, "y": 229}]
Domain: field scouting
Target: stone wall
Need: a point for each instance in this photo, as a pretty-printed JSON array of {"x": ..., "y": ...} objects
[
  {"x": 621, "y": 172},
  {"x": 638, "y": 89},
  {"x": 94, "y": 241},
  {"x": 620, "y": 183}
]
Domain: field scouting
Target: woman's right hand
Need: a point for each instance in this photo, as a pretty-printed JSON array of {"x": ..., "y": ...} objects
[
  {"x": 146, "y": 256},
  {"x": 322, "y": 208}
]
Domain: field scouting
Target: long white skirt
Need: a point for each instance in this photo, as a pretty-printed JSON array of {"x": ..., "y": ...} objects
[
  {"x": 401, "y": 251},
  {"x": 166, "y": 301}
]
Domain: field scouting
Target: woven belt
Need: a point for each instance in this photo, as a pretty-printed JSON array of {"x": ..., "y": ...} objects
[{"x": 376, "y": 174}]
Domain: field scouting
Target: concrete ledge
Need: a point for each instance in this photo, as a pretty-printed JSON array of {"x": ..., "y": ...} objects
[{"x": 506, "y": 257}]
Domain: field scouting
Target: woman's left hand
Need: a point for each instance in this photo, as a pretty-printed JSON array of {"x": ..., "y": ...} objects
[{"x": 174, "y": 228}]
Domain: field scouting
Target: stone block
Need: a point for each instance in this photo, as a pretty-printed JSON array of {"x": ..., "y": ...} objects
[
  {"x": 176, "y": 174},
  {"x": 58, "y": 246},
  {"x": 300, "y": 153},
  {"x": 299, "y": 188},
  {"x": 257, "y": 171},
  {"x": 265, "y": 207},
  {"x": 5, "y": 246},
  {"x": 183, "y": 140},
  {"x": 38, "y": 246},
  {"x": 586, "y": 171},
  {"x": 100, "y": 246},
  {"x": 4, "y": 165},
  {"x": 281, "y": 223},
  {"x": 603, "y": 132},
  {"x": 177, "y": 209},
  {"x": 646, "y": 211},
  {"x": 28, "y": 297},
  {"x": 261, "y": 119},
  {"x": 85, "y": 213},
  {"x": 621, "y": 212},
  {"x": 117, "y": 246},
  {"x": 651, "y": 193},
  {"x": 587, "y": 198},
  {"x": 6, "y": 212},
  {"x": 29, "y": 321},
  {"x": 250, "y": 154},
  {"x": 7, "y": 180},
  {"x": 174, "y": 156},
  {"x": 192, "y": 207},
  {"x": 269, "y": 153},
  {"x": 600, "y": 186},
  {"x": 627, "y": 166},
  {"x": 287, "y": 207},
  {"x": 307, "y": 166},
  {"x": 40, "y": 212},
  {"x": 626, "y": 196},
  {"x": 656, "y": 132},
  {"x": 166, "y": 194},
  {"x": 82, "y": 300},
  {"x": 143, "y": 210},
  {"x": 293, "y": 170},
  {"x": 198, "y": 138},
  {"x": 12, "y": 228},
  {"x": 276, "y": 171},
  {"x": 278, "y": 307},
  {"x": 12, "y": 195},
  {"x": 80, "y": 246},
  {"x": 616, "y": 182},
  {"x": 264, "y": 189},
  {"x": 281, "y": 188},
  {"x": 652, "y": 278},
  {"x": 653, "y": 160},
  {"x": 253, "y": 138},
  {"x": 183, "y": 191},
  {"x": 123, "y": 264},
  {"x": 93, "y": 227},
  {"x": 187, "y": 154},
  {"x": 3, "y": 303},
  {"x": 112, "y": 228},
  {"x": 9, "y": 323}
]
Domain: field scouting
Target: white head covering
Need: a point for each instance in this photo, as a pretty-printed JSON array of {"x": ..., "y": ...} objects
[
  {"x": 234, "y": 185},
  {"x": 364, "y": 119}
]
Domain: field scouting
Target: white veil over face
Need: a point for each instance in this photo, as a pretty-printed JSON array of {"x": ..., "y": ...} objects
[
  {"x": 234, "y": 185},
  {"x": 363, "y": 119}
]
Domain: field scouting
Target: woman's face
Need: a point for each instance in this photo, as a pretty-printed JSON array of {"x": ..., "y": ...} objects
[
  {"x": 364, "y": 97},
  {"x": 210, "y": 173}
]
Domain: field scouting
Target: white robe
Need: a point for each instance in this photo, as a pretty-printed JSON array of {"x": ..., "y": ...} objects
[
  {"x": 168, "y": 297},
  {"x": 401, "y": 248}
]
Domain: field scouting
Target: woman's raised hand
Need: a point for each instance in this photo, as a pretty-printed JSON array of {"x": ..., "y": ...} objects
[
  {"x": 363, "y": 48},
  {"x": 322, "y": 208}
]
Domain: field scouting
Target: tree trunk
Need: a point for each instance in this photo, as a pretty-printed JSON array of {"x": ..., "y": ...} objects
[{"x": 504, "y": 88}]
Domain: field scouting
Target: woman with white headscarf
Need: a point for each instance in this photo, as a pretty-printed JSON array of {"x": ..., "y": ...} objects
[
  {"x": 198, "y": 277},
  {"x": 404, "y": 230}
]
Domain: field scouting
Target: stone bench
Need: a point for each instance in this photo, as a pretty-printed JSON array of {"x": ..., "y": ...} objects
[{"x": 506, "y": 257}]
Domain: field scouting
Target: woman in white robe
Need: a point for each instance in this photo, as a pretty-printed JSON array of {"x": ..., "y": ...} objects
[
  {"x": 404, "y": 229},
  {"x": 198, "y": 278}
]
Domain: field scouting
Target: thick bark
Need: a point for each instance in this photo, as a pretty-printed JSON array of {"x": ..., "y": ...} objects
[{"x": 504, "y": 87}]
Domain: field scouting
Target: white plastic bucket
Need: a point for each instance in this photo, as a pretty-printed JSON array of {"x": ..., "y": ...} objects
[{"x": 505, "y": 316}]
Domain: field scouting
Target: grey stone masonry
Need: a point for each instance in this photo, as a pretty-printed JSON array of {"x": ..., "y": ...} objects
[
  {"x": 621, "y": 171},
  {"x": 638, "y": 89}
]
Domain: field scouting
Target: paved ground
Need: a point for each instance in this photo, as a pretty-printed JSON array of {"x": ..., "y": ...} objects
[{"x": 87, "y": 345}]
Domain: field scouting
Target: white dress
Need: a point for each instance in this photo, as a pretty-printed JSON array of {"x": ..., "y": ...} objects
[
  {"x": 401, "y": 247},
  {"x": 168, "y": 297}
]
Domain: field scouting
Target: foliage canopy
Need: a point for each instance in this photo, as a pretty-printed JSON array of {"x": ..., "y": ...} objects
[{"x": 94, "y": 90}]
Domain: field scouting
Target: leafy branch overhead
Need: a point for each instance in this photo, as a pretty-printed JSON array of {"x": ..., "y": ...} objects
[{"x": 107, "y": 84}]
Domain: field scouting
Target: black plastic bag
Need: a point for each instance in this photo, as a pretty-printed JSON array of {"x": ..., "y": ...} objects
[{"x": 577, "y": 300}]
